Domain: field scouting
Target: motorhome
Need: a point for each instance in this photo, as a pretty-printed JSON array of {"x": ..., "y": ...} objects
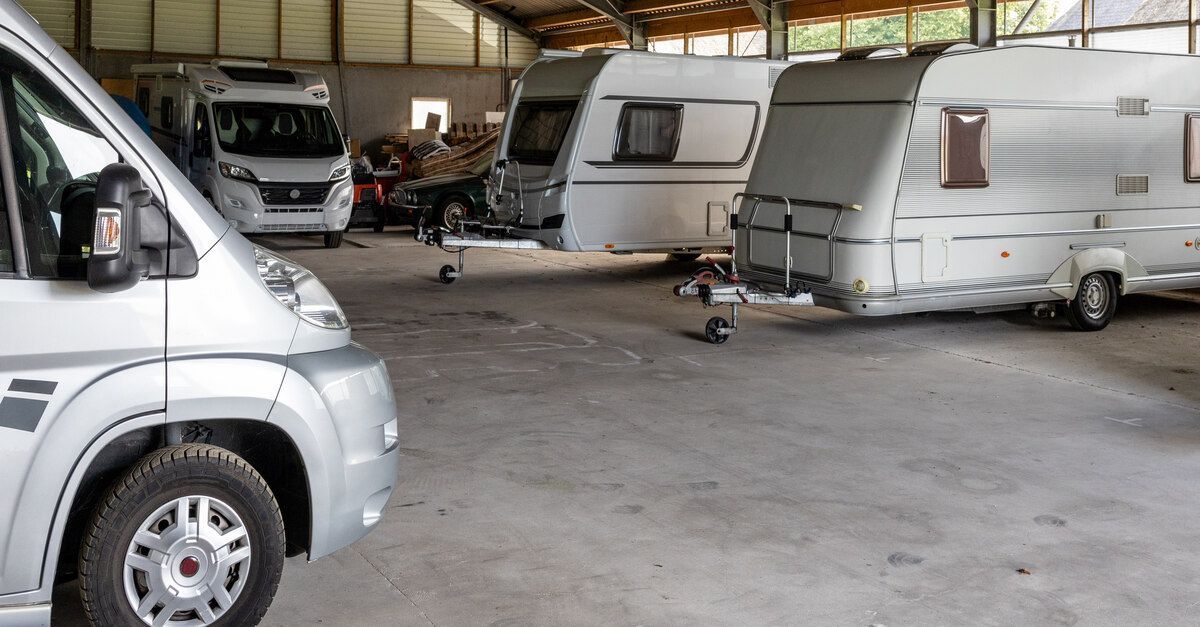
[
  {"x": 260, "y": 143},
  {"x": 624, "y": 151},
  {"x": 166, "y": 446},
  {"x": 971, "y": 179}
]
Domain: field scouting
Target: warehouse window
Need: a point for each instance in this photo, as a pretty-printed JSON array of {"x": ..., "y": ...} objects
[
  {"x": 1193, "y": 148},
  {"x": 538, "y": 130},
  {"x": 423, "y": 108},
  {"x": 966, "y": 139},
  {"x": 648, "y": 132}
]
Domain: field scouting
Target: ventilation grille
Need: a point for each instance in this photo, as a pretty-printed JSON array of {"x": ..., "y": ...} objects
[
  {"x": 1133, "y": 106},
  {"x": 1131, "y": 185},
  {"x": 773, "y": 75}
]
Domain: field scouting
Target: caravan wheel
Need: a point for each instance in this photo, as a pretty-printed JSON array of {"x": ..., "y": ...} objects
[{"x": 1094, "y": 304}]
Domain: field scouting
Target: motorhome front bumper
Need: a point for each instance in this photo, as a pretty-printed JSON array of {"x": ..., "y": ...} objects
[
  {"x": 254, "y": 208},
  {"x": 340, "y": 402}
]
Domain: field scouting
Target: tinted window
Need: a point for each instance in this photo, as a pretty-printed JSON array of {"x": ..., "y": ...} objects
[
  {"x": 1193, "y": 148},
  {"x": 6, "y": 252},
  {"x": 267, "y": 129},
  {"x": 966, "y": 141},
  {"x": 57, "y": 155},
  {"x": 648, "y": 132},
  {"x": 143, "y": 100},
  {"x": 201, "y": 136},
  {"x": 166, "y": 112},
  {"x": 538, "y": 130}
]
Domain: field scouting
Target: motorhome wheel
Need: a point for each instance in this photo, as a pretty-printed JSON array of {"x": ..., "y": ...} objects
[
  {"x": 685, "y": 257},
  {"x": 333, "y": 240},
  {"x": 1095, "y": 302},
  {"x": 445, "y": 274},
  {"x": 711, "y": 330},
  {"x": 191, "y": 535}
]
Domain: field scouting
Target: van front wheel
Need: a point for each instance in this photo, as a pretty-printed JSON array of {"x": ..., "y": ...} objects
[
  {"x": 191, "y": 535},
  {"x": 1095, "y": 302},
  {"x": 334, "y": 239}
]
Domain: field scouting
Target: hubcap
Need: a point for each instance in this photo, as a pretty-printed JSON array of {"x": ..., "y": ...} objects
[
  {"x": 1094, "y": 297},
  {"x": 454, "y": 212},
  {"x": 188, "y": 562}
]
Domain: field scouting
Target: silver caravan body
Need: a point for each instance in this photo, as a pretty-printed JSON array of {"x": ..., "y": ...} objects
[
  {"x": 1086, "y": 172},
  {"x": 589, "y": 191}
]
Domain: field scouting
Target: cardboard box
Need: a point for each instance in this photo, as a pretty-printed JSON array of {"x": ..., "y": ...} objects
[
  {"x": 418, "y": 136},
  {"x": 126, "y": 87},
  {"x": 355, "y": 148},
  {"x": 493, "y": 117}
]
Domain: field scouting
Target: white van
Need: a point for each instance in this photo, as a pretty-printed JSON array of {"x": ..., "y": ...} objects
[
  {"x": 260, "y": 143},
  {"x": 179, "y": 409}
]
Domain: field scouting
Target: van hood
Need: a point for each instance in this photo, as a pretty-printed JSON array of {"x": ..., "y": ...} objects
[{"x": 289, "y": 170}]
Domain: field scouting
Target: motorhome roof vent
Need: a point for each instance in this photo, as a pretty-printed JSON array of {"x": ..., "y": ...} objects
[
  {"x": 943, "y": 47},
  {"x": 599, "y": 52},
  {"x": 259, "y": 75},
  {"x": 1132, "y": 106},
  {"x": 871, "y": 52},
  {"x": 1132, "y": 185},
  {"x": 214, "y": 87},
  {"x": 773, "y": 75}
]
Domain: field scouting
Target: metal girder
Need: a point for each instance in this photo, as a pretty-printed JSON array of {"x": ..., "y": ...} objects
[
  {"x": 983, "y": 22},
  {"x": 633, "y": 32},
  {"x": 772, "y": 15},
  {"x": 501, "y": 19}
]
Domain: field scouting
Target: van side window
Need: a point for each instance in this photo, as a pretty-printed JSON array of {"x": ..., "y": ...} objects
[
  {"x": 966, "y": 147},
  {"x": 1192, "y": 167},
  {"x": 57, "y": 157},
  {"x": 166, "y": 112},
  {"x": 648, "y": 132}
]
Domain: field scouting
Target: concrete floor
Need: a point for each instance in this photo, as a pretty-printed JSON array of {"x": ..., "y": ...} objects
[{"x": 575, "y": 453}]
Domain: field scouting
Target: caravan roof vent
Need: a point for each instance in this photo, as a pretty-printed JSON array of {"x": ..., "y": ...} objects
[
  {"x": 872, "y": 52},
  {"x": 1132, "y": 106},
  {"x": 599, "y": 52},
  {"x": 259, "y": 75},
  {"x": 941, "y": 47}
]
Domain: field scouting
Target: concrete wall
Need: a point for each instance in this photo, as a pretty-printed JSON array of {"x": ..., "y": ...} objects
[{"x": 377, "y": 99}]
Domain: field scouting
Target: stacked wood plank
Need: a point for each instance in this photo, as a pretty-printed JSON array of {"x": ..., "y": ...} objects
[{"x": 460, "y": 157}]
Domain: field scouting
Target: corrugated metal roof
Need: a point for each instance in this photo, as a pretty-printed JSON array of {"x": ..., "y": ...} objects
[{"x": 525, "y": 9}]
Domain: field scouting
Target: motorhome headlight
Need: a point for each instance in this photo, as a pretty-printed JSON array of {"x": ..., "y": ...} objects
[
  {"x": 230, "y": 171},
  {"x": 297, "y": 289},
  {"x": 340, "y": 173}
]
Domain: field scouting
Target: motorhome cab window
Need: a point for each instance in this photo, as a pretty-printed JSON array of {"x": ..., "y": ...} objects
[
  {"x": 648, "y": 132},
  {"x": 268, "y": 129},
  {"x": 57, "y": 157},
  {"x": 538, "y": 131},
  {"x": 965, "y": 147},
  {"x": 1193, "y": 147}
]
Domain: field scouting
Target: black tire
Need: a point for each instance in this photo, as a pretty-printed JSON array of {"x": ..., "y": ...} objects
[
  {"x": 1095, "y": 302},
  {"x": 334, "y": 239},
  {"x": 710, "y": 330},
  {"x": 444, "y": 274},
  {"x": 449, "y": 207},
  {"x": 169, "y": 475},
  {"x": 684, "y": 257},
  {"x": 380, "y": 219}
]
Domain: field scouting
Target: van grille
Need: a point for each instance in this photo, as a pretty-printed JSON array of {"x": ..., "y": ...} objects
[
  {"x": 1132, "y": 106},
  {"x": 293, "y": 193},
  {"x": 1130, "y": 185}
]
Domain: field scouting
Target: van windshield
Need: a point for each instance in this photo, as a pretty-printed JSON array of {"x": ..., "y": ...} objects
[
  {"x": 268, "y": 129},
  {"x": 538, "y": 130}
]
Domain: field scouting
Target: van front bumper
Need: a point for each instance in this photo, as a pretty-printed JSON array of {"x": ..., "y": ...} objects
[
  {"x": 241, "y": 204},
  {"x": 339, "y": 408}
]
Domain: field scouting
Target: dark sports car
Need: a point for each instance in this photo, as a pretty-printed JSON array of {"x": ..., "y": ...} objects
[{"x": 451, "y": 196}]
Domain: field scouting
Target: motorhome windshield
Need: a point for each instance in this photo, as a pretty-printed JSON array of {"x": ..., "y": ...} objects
[
  {"x": 538, "y": 130},
  {"x": 268, "y": 129}
]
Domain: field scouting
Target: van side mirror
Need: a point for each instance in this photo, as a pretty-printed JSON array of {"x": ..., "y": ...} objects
[{"x": 117, "y": 261}]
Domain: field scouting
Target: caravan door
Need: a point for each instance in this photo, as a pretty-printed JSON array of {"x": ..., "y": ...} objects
[{"x": 200, "y": 149}]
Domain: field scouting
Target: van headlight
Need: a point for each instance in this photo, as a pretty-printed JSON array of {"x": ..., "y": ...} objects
[
  {"x": 339, "y": 173},
  {"x": 299, "y": 290}
]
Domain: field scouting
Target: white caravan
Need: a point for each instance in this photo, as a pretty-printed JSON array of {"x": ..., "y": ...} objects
[
  {"x": 179, "y": 409},
  {"x": 260, "y": 143},
  {"x": 973, "y": 179},
  {"x": 625, "y": 151}
]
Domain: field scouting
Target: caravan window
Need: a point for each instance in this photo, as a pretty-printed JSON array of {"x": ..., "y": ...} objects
[
  {"x": 166, "y": 112},
  {"x": 966, "y": 139},
  {"x": 538, "y": 131},
  {"x": 1193, "y": 148},
  {"x": 648, "y": 132}
]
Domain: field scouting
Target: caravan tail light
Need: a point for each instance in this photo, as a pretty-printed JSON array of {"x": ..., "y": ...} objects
[{"x": 107, "y": 239}]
